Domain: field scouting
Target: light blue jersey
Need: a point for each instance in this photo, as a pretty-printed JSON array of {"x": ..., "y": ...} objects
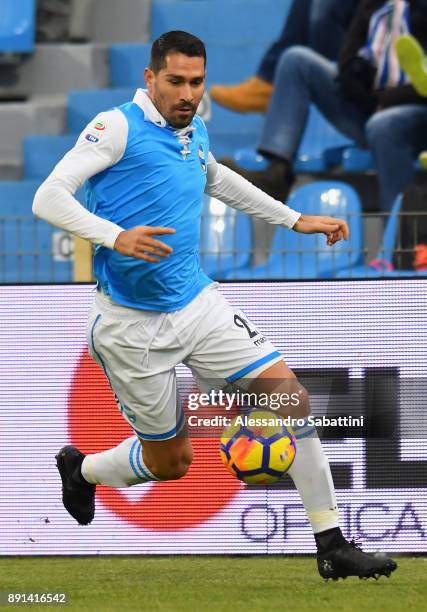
[{"x": 159, "y": 181}]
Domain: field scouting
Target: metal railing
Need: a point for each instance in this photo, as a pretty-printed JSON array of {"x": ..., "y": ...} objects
[
  {"x": 33, "y": 251},
  {"x": 232, "y": 247}
]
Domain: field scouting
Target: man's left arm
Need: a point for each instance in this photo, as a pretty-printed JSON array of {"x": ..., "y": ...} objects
[{"x": 237, "y": 192}]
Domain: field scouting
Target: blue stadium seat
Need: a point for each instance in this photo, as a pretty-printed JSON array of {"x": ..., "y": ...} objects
[
  {"x": 230, "y": 131},
  {"x": 226, "y": 63},
  {"x": 17, "y": 26},
  {"x": 83, "y": 106},
  {"x": 26, "y": 242},
  {"x": 16, "y": 197},
  {"x": 357, "y": 160},
  {"x": 225, "y": 239},
  {"x": 233, "y": 23},
  {"x": 294, "y": 255},
  {"x": 225, "y": 144},
  {"x": 251, "y": 159},
  {"x": 362, "y": 160},
  {"x": 42, "y": 153},
  {"x": 127, "y": 63},
  {"x": 321, "y": 146},
  {"x": 224, "y": 120},
  {"x": 26, "y": 252}
]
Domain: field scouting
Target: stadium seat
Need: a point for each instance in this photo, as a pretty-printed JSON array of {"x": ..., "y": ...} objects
[
  {"x": 321, "y": 147},
  {"x": 128, "y": 61},
  {"x": 362, "y": 160},
  {"x": 42, "y": 153},
  {"x": 16, "y": 197},
  {"x": 17, "y": 26},
  {"x": 231, "y": 22},
  {"x": 294, "y": 255},
  {"x": 26, "y": 242},
  {"x": 251, "y": 159},
  {"x": 357, "y": 160},
  {"x": 230, "y": 131},
  {"x": 225, "y": 239},
  {"x": 83, "y": 106}
]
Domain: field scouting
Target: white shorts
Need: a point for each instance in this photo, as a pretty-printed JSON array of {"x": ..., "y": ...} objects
[{"x": 139, "y": 349}]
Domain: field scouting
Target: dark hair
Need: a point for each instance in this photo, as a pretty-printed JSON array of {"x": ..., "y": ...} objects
[{"x": 175, "y": 42}]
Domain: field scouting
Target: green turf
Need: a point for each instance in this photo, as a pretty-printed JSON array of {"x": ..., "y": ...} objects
[{"x": 211, "y": 584}]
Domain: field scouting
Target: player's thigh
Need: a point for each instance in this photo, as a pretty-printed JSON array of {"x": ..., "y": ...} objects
[
  {"x": 287, "y": 395},
  {"x": 232, "y": 349},
  {"x": 168, "y": 459},
  {"x": 228, "y": 346},
  {"x": 143, "y": 381}
]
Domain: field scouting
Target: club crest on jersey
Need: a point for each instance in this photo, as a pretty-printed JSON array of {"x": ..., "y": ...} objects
[
  {"x": 202, "y": 158},
  {"x": 91, "y": 138}
]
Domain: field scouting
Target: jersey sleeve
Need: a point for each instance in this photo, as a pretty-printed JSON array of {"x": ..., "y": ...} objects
[
  {"x": 100, "y": 145},
  {"x": 237, "y": 192}
]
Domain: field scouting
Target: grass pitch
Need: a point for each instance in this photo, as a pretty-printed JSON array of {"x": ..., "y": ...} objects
[{"x": 208, "y": 584}]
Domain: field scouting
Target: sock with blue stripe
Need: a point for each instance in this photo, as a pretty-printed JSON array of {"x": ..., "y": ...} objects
[
  {"x": 312, "y": 476},
  {"x": 122, "y": 466}
]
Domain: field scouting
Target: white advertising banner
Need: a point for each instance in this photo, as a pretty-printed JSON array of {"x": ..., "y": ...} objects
[{"x": 370, "y": 336}]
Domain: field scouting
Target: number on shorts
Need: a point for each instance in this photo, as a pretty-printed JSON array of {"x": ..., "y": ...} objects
[{"x": 240, "y": 322}]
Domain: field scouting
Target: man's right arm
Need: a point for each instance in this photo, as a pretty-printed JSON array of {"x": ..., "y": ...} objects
[{"x": 100, "y": 145}]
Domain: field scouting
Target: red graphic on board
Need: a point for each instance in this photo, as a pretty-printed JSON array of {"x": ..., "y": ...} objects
[{"x": 95, "y": 424}]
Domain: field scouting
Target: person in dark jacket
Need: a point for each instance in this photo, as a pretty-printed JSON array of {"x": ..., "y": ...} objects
[{"x": 367, "y": 97}]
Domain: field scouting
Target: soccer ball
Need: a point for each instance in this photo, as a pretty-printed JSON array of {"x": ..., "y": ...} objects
[{"x": 258, "y": 448}]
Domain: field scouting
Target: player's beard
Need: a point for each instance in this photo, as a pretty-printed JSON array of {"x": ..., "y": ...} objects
[
  {"x": 184, "y": 120},
  {"x": 171, "y": 113}
]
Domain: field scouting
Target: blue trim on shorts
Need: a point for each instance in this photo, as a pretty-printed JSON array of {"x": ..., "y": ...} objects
[
  {"x": 306, "y": 434},
  {"x": 94, "y": 349},
  {"x": 253, "y": 366},
  {"x": 298, "y": 427},
  {"x": 168, "y": 434}
]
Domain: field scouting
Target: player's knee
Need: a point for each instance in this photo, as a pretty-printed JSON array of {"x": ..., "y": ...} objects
[
  {"x": 294, "y": 399},
  {"x": 303, "y": 408},
  {"x": 298, "y": 62}
]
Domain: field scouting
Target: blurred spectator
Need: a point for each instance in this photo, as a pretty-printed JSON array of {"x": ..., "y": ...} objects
[
  {"x": 367, "y": 98},
  {"x": 319, "y": 24},
  {"x": 414, "y": 62},
  {"x": 52, "y": 25},
  {"x": 53, "y": 20},
  {"x": 413, "y": 229}
]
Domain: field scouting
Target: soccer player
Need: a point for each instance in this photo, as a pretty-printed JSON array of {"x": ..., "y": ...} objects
[{"x": 148, "y": 164}]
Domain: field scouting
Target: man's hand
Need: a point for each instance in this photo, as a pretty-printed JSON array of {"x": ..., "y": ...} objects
[
  {"x": 334, "y": 229},
  {"x": 138, "y": 242}
]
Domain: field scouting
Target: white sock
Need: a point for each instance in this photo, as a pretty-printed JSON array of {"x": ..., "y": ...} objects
[
  {"x": 118, "y": 467},
  {"x": 312, "y": 476}
]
